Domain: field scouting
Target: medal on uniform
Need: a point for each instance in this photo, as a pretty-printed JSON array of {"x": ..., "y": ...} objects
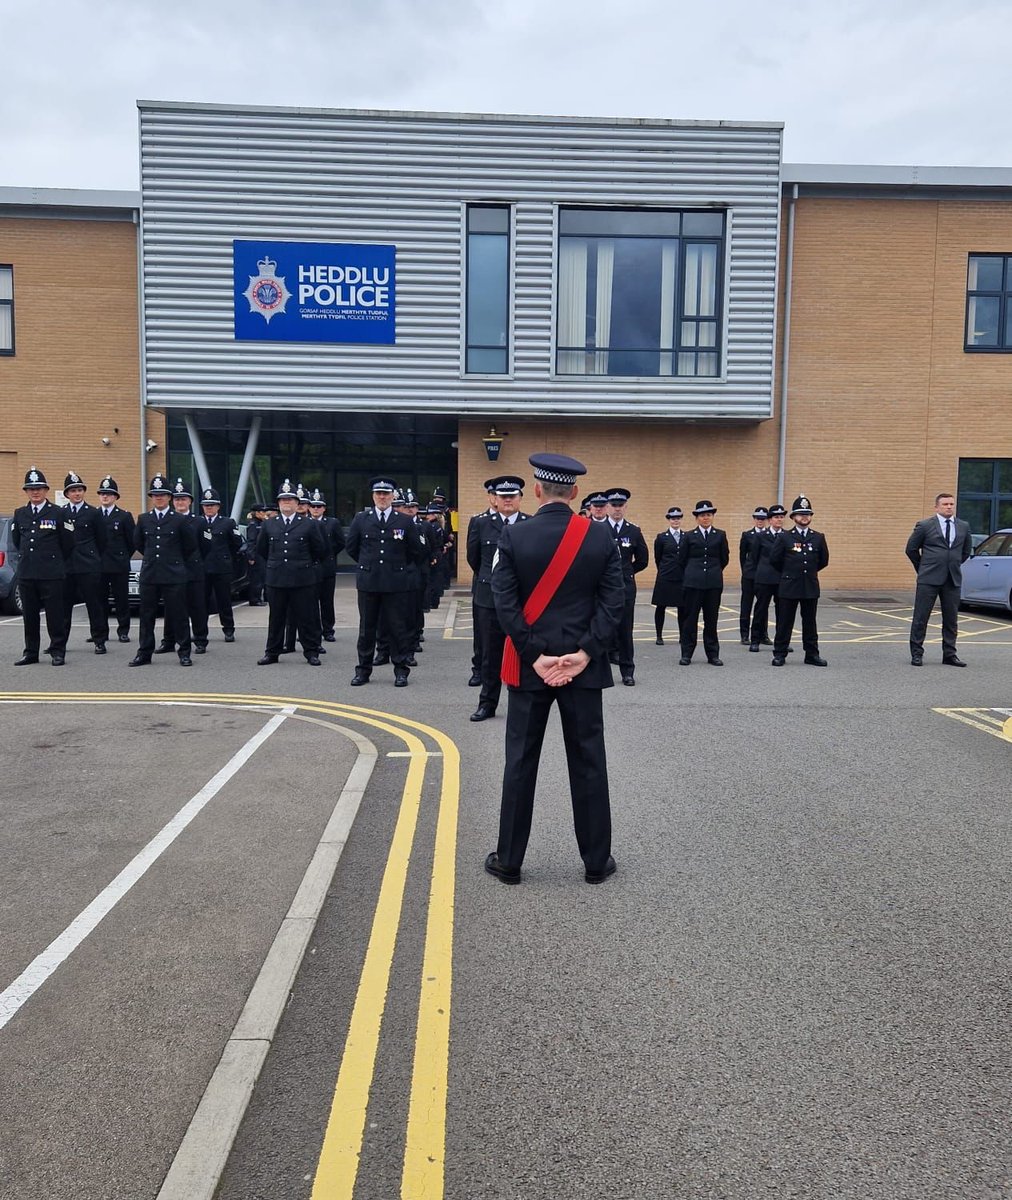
[
  {"x": 626, "y": 543},
  {"x": 398, "y": 534}
]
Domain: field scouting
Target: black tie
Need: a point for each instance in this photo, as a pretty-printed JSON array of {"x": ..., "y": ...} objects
[
  {"x": 948, "y": 531},
  {"x": 383, "y": 518}
]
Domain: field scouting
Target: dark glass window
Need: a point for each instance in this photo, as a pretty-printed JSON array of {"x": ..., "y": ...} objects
[
  {"x": 6, "y": 309},
  {"x": 640, "y": 292},
  {"x": 487, "y": 290},
  {"x": 989, "y": 302},
  {"x": 985, "y": 493}
]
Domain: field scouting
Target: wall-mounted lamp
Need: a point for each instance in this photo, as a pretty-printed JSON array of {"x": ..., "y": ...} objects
[
  {"x": 149, "y": 445},
  {"x": 493, "y": 443}
]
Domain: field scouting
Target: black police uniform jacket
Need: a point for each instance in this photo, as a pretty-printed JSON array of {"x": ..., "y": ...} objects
[
  {"x": 584, "y": 613},
  {"x": 704, "y": 559},
  {"x": 764, "y": 573},
  {"x": 42, "y": 541},
  {"x": 166, "y": 546},
  {"x": 220, "y": 541},
  {"x": 632, "y": 550},
  {"x": 799, "y": 559},
  {"x": 120, "y": 528},
  {"x": 292, "y": 551},
  {"x": 333, "y": 544},
  {"x": 483, "y": 541},
  {"x": 668, "y": 584},
  {"x": 89, "y": 530},
  {"x": 195, "y": 559},
  {"x": 384, "y": 553},
  {"x": 749, "y": 538}
]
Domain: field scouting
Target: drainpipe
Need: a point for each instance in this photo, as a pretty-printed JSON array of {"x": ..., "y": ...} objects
[{"x": 786, "y": 350}]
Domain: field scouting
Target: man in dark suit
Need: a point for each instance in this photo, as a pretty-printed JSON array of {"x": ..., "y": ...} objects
[
  {"x": 748, "y": 539},
  {"x": 766, "y": 579},
  {"x": 293, "y": 547},
  {"x": 222, "y": 543},
  {"x": 559, "y": 654},
  {"x": 84, "y": 567},
  {"x": 44, "y": 544},
  {"x": 166, "y": 541},
  {"x": 938, "y": 547},
  {"x": 384, "y": 545},
  {"x": 799, "y": 555},
  {"x": 632, "y": 548},
  {"x": 119, "y": 548},
  {"x": 703, "y": 555}
]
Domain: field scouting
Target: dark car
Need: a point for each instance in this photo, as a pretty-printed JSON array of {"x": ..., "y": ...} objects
[
  {"x": 10, "y": 596},
  {"x": 238, "y": 587}
]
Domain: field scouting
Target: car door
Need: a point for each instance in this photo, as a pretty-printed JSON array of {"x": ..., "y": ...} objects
[{"x": 978, "y": 584}]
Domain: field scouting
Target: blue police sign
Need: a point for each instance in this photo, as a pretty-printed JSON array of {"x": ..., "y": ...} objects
[{"x": 314, "y": 292}]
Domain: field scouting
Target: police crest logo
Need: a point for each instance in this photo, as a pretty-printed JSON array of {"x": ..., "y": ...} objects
[
  {"x": 267, "y": 293},
  {"x": 33, "y": 476}
]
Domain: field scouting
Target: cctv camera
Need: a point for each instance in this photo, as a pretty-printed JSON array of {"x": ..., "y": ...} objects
[
  {"x": 150, "y": 445},
  {"x": 107, "y": 441}
]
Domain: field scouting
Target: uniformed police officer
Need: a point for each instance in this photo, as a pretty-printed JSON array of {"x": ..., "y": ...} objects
[
  {"x": 632, "y": 548},
  {"x": 509, "y": 490},
  {"x": 749, "y": 537},
  {"x": 119, "y": 547},
  {"x": 799, "y": 555},
  {"x": 84, "y": 567},
  {"x": 222, "y": 543},
  {"x": 703, "y": 554},
  {"x": 436, "y": 544},
  {"x": 292, "y": 546},
  {"x": 383, "y": 544},
  {"x": 44, "y": 544},
  {"x": 766, "y": 578},
  {"x": 667, "y": 591},
  {"x": 196, "y": 598},
  {"x": 597, "y": 503},
  {"x": 333, "y": 539},
  {"x": 256, "y": 567},
  {"x": 472, "y": 550},
  {"x": 167, "y": 541}
]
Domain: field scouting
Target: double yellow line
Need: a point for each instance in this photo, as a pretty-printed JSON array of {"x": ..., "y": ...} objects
[{"x": 425, "y": 1141}]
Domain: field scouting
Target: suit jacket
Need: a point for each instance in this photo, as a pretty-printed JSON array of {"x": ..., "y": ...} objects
[
  {"x": 220, "y": 543},
  {"x": 384, "y": 552},
  {"x": 799, "y": 559},
  {"x": 763, "y": 572},
  {"x": 633, "y": 551},
  {"x": 704, "y": 559},
  {"x": 292, "y": 551},
  {"x": 119, "y": 540},
  {"x": 89, "y": 530},
  {"x": 43, "y": 542},
  {"x": 585, "y": 611},
  {"x": 484, "y": 534},
  {"x": 936, "y": 562},
  {"x": 749, "y": 538},
  {"x": 166, "y": 545}
]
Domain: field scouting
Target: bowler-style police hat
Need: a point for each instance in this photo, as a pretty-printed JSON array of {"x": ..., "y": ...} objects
[
  {"x": 801, "y": 507},
  {"x": 286, "y": 491},
  {"x": 703, "y": 506},
  {"x": 108, "y": 487},
  {"x": 673, "y": 511},
  {"x": 760, "y": 514},
  {"x": 181, "y": 490},
  {"x": 159, "y": 486},
  {"x": 777, "y": 510},
  {"x": 316, "y": 499},
  {"x": 74, "y": 480},
  {"x": 209, "y": 496},
  {"x": 34, "y": 479}
]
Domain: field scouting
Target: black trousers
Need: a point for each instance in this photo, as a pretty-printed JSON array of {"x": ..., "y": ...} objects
[
  {"x": 195, "y": 617},
  {"x": 300, "y": 603},
  {"x": 177, "y": 625},
  {"x": 492, "y": 641},
  {"x": 694, "y": 602},
  {"x": 393, "y": 608},
  {"x": 660, "y": 611},
  {"x": 748, "y": 596},
  {"x": 325, "y": 599},
  {"x": 218, "y": 589},
  {"x": 38, "y": 595},
  {"x": 256, "y": 574},
  {"x": 87, "y": 588},
  {"x": 764, "y": 593},
  {"x": 624, "y": 637},
  {"x": 582, "y": 716},
  {"x": 117, "y": 585},
  {"x": 947, "y": 595},
  {"x": 786, "y": 614},
  {"x": 475, "y": 637}
]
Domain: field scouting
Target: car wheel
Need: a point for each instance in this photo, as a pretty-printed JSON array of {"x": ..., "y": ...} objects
[{"x": 13, "y": 602}]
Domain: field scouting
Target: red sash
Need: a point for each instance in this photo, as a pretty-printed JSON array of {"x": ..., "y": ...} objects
[{"x": 544, "y": 590}]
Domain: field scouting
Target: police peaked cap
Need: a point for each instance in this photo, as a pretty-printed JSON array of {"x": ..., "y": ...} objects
[
  {"x": 557, "y": 468},
  {"x": 801, "y": 506},
  {"x": 777, "y": 510},
  {"x": 489, "y": 485},
  {"x": 760, "y": 514},
  {"x": 702, "y": 507},
  {"x": 382, "y": 483},
  {"x": 33, "y": 479},
  {"x": 673, "y": 511},
  {"x": 159, "y": 487},
  {"x": 286, "y": 492},
  {"x": 74, "y": 480},
  {"x": 597, "y": 498},
  {"x": 182, "y": 490},
  {"x": 508, "y": 485},
  {"x": 108, "y": 485},
  {"x": 209, "y": 496},
  {"x": 618, "y": 495}
]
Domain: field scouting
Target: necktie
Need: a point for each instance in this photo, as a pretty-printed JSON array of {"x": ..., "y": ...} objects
[
  {"x": 383, "y": 518},
  {"x": 704, "y": 535},
  {"x": 948, "y": 530}
]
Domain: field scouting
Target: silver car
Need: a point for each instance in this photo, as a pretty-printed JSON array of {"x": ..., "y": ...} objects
[
  {"x": 987, "y": 576},
  {"x": 10, "y": 598}
]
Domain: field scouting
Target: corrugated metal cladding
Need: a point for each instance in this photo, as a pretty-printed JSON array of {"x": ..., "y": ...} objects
[{"x": 211, "y": 174}]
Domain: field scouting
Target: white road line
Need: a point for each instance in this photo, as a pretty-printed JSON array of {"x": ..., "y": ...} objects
[{"x": 38, "y": 971}]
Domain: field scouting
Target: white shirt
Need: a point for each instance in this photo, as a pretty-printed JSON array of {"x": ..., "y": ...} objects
[{"x": 941, "y": 525}]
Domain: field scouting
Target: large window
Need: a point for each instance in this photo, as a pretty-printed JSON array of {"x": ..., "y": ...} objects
[
  {"x": 6, "y": 309},
  {"x": 488, "y": 290},
  {"x": 640, "y": 292},
  {"x": 989, "y": 302},
  {"x": 985, "y": 493}
]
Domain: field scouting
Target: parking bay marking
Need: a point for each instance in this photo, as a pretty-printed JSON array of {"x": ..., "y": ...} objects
[{"x": 995, "y": 721}]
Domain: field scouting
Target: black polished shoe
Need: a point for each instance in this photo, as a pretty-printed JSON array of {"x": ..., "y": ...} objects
[
  {"x": 322, "y": 651},
  {"x": 58, "y": 660},
  {"x": 313, "y": 660},
  {"x": 400, "y": 678},
  {"x": 229, "y": 635},
  {"x": 659, "y": 641},
  {"x": 199, "y": 648},
  {"x": 329, "y": 637},
  {"x": 185, "y": 660},
  {"x": 745, "y": 641},
  {"x": 765, "y": 641},
  {"x": 684, "y": 662},
  {"x": 753, "y": 648},
  {"x": 778, "y": 660},
  {"x": 381, "y": 660},
  {"x": 603, "y": 874},
  {"x": 27, "y": 660},
  {"x": 164, "y": 648},
  {"x": 359, "y": 678},
  {"x": 411, "y": 662},
  {"x": 268, "y": 660},
  {"x": 715, "y": 662},
  {"x": 483, "y": 712},
  {"x": 816, "y": 660},
  {"x": 139, "y": 660},
  {"x": 953, "y": 661},
  {"x": 123, "y": 637},
  {"x": 628, "y": 681},
  {"x": 100, "y": 648},
  {"x": 475, "y": 680},
  {"x": 494, "y": 867},
  {"x": 917, "y": 660}
]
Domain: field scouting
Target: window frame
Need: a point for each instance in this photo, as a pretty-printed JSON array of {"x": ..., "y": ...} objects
[
  {"x": 1003, "y": 296},
  {"x": 466, "y": 345},
  {"x": 995, "y": 497},
  {"x": 6, "y": 352}
]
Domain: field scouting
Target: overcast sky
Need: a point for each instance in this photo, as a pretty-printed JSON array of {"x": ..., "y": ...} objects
[{"x": 894, "y": 81}]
